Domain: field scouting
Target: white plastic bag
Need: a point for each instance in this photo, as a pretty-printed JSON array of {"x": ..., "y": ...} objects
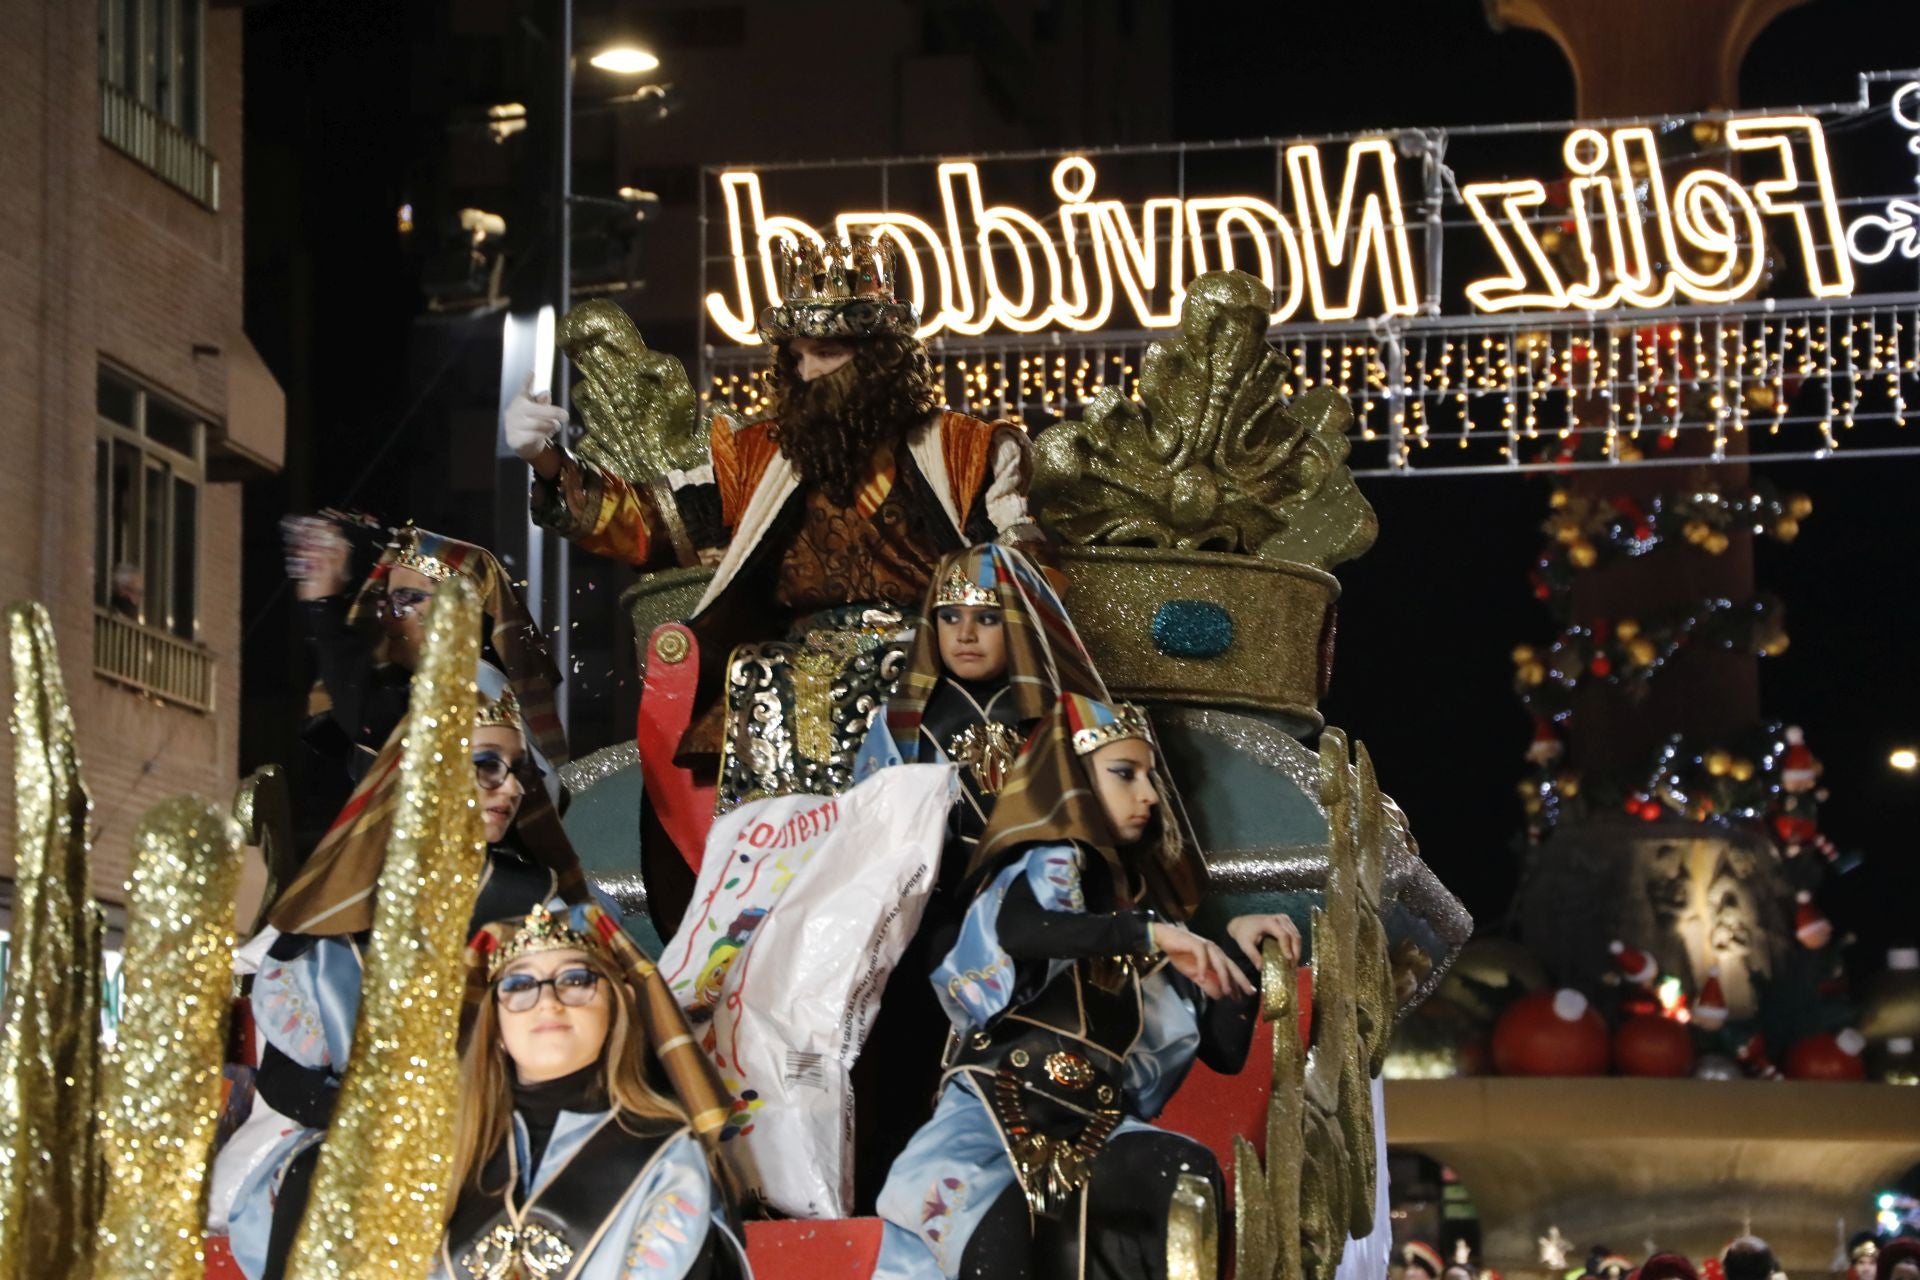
[{"x": 802, "y": 908}]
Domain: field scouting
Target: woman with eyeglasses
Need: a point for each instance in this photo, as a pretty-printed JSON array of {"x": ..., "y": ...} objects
[
  {"x": 365, "y": 642},
  {"x": 306, "y": 993},
  {"x": 569, "y": 1159}
]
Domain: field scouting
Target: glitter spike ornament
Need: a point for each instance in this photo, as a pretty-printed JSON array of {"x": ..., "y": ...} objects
[
  {"x": 161, "y": 1103},
  {"x": 381, "y": 1184},
  {"x": 49, "y": 1032}
]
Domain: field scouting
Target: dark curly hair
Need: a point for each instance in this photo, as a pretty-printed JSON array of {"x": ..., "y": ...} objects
[{"x": 829, "y": 439}]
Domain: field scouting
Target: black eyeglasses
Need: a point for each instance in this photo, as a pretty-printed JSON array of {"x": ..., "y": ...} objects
[
  {"x": 491, "y": 769},
  {"x": 519, "y": 992},
  {"x": 402, "y": 602}
]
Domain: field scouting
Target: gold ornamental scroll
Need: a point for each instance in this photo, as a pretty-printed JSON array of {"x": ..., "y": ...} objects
[
  {"x": 161, "y": 1103},
  {"x": 381, "y": 1186},
  {"x": 50, "y": 1040}
]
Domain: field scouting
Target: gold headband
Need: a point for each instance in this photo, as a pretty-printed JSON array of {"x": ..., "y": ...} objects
[
  {"x": 962, "y": 590},
  {"x": 541, "y": 932},
  {"x": 425, "y": 565},
  {"x": 502, "y": 712},
  {"x": 1131, "y": 723}
]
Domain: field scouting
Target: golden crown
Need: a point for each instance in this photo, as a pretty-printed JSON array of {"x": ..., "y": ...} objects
[
  {"x": 428, "y": 566},
  {"x": 833, "y": 289},
  {"x": 542, "y": 931},
  {"x": 1129, "y": 722},
  {"x": 962, "y": 590},
  {"x": 501, "y": 712}
]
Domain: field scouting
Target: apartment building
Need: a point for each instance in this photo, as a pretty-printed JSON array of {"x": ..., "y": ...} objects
[{"x": 132, "y": 405}]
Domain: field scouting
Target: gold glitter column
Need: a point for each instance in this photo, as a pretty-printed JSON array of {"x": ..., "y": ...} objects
[
  {"x": 161, "y": 1103},
  {"x": 381, "y": 1185},
  {"x": 49, "y": 1045}
]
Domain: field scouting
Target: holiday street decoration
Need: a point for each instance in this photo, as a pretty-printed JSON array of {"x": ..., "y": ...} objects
[
  {"x": 1626, "y": 652},
  {"x": 1584, "y": 531}
]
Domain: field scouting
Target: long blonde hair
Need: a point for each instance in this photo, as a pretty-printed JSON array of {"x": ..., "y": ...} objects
[{"x": 486, "y": 1081}]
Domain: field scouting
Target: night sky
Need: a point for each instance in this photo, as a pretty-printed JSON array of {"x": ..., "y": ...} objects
[{"x": 336, "y": 125}]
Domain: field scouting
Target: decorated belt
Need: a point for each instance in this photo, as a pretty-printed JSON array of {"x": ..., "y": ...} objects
[{"x": 1056, "y": 1099}]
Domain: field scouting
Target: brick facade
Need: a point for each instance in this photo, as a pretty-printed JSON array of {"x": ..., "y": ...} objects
[{"x": 101, "y": 259}]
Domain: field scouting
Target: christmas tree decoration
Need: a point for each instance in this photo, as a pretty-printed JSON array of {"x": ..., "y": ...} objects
[
  {"x": 1602, "y": 651},
  {"x": 1810, "y": 924},
  {"x": 1635, "y": 966},
  {"x": 1753, "y": 1056},
  {"x": 1652, "y": 1046},
  {"x": 1551, "y": 1033},
  {"x": 1710, "y": 1009},
  {"x": 1798, "y": 768},
  {"x": 1828, "y": 1056}
]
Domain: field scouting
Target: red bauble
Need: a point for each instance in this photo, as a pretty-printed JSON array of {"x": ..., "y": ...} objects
[
  {"x": 1826, "y": 1057},
  {"x": 1550, "y": 1033},
  {"x": 1652, "y": 1046}
]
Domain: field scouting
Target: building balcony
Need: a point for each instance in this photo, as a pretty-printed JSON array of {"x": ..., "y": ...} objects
[
  {"x": 131, "y": 128},
  {"x": 154, "y": 662}
]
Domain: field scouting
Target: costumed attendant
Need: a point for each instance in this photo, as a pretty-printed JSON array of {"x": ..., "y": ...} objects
[
  {"x": 365, "y": 643},
  {"x": 306, "y": 994},
  {"x": 1079, "y": 1003},
  {"x": 567, "y": 1160},
  {"x": 994, "y": 653},
  {"x": 835, "y": 510}
]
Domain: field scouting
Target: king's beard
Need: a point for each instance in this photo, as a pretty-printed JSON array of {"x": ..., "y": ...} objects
[{"x": 831, "y": 428}]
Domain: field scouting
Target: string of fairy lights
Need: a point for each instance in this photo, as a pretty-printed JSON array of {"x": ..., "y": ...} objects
[{"x": 1547, "y": 392}]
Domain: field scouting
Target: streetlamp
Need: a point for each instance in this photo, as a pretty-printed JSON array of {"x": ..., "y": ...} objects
[{"x": 616, "y": 60}]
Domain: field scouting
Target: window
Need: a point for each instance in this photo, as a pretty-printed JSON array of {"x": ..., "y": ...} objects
[
  {"x": 151, "y": 51},
  {"x": 148, "y": 469}
]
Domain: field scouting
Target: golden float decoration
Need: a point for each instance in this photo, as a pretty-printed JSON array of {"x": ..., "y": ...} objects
[
  {"x": 381, "y": 1185},
  {"x": 49, "y": 1040},
  {"x": 160, "y": 1106}
]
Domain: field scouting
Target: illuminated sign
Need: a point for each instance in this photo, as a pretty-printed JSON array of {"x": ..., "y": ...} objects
[
  {"x": 1344, "y": 232},
  {"x": 996, "y": 266}
]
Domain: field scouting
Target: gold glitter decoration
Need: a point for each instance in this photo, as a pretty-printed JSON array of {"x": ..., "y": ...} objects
[
  {"x": 264, "y": 809},
  {"x": 1193, "y": 1230},
  {"x": 1278, "y": 610},
  {"x": 381, "y": 1185},
  {"x": 1318, "y": 1187},
  {"x": 639, "y": 408},
  {"x": 1220, "y": 460},
  {"x": 161, "y": 1104},
  {"x": 49, "y": 1048}
]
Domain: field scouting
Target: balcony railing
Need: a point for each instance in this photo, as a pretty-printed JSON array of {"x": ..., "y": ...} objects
[
  {"x": 130, "y": 126},
  {"x": 152, "y": 661}
]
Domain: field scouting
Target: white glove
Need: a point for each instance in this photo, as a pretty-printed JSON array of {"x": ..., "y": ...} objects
[{"x": 531, "y": 422}]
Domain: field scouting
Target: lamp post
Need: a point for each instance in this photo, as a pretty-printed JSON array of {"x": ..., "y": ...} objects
[{"x": 555, "y": 588}]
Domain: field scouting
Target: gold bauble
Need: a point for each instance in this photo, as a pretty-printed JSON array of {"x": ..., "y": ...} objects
[
  {"x": 1532, "y": 673},
  {"x": 1706, "y": 133},
  {"x": 1716, "y": 543},
  {"x": 1696, "y": 531},
  {"x": 1799, "y": 506},
  {"x": 1566, "y": 533},
  {"x": 1786, "y": 529},
  {"x": 1718, "y": 762},
  {"x": 1626, "y": 628},
  {"x": 1569, "y": 785},
  {"x": 1522, "y": 654},
  {"x": 1533, "y": 805},
  {"x": 1558, "y": 500},
  {"x": 1774, "y": 646},
  {"x": 1741, "y": 769},
  {"x": 1642, "y": 651},
  {"x": 1550, "y": 239},
  {"x": 1582, "y": 555}
]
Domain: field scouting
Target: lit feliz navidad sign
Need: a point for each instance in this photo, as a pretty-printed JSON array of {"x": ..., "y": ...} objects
[{"x": 1340, "y": 233}]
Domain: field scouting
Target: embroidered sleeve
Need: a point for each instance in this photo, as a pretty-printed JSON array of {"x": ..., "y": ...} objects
[
  {"x": 676, "y": 1205},
  {"x": 975, "y": 982},
  {"x": 306, "y": 1006},
  {"x": 597, "y": 510}
]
